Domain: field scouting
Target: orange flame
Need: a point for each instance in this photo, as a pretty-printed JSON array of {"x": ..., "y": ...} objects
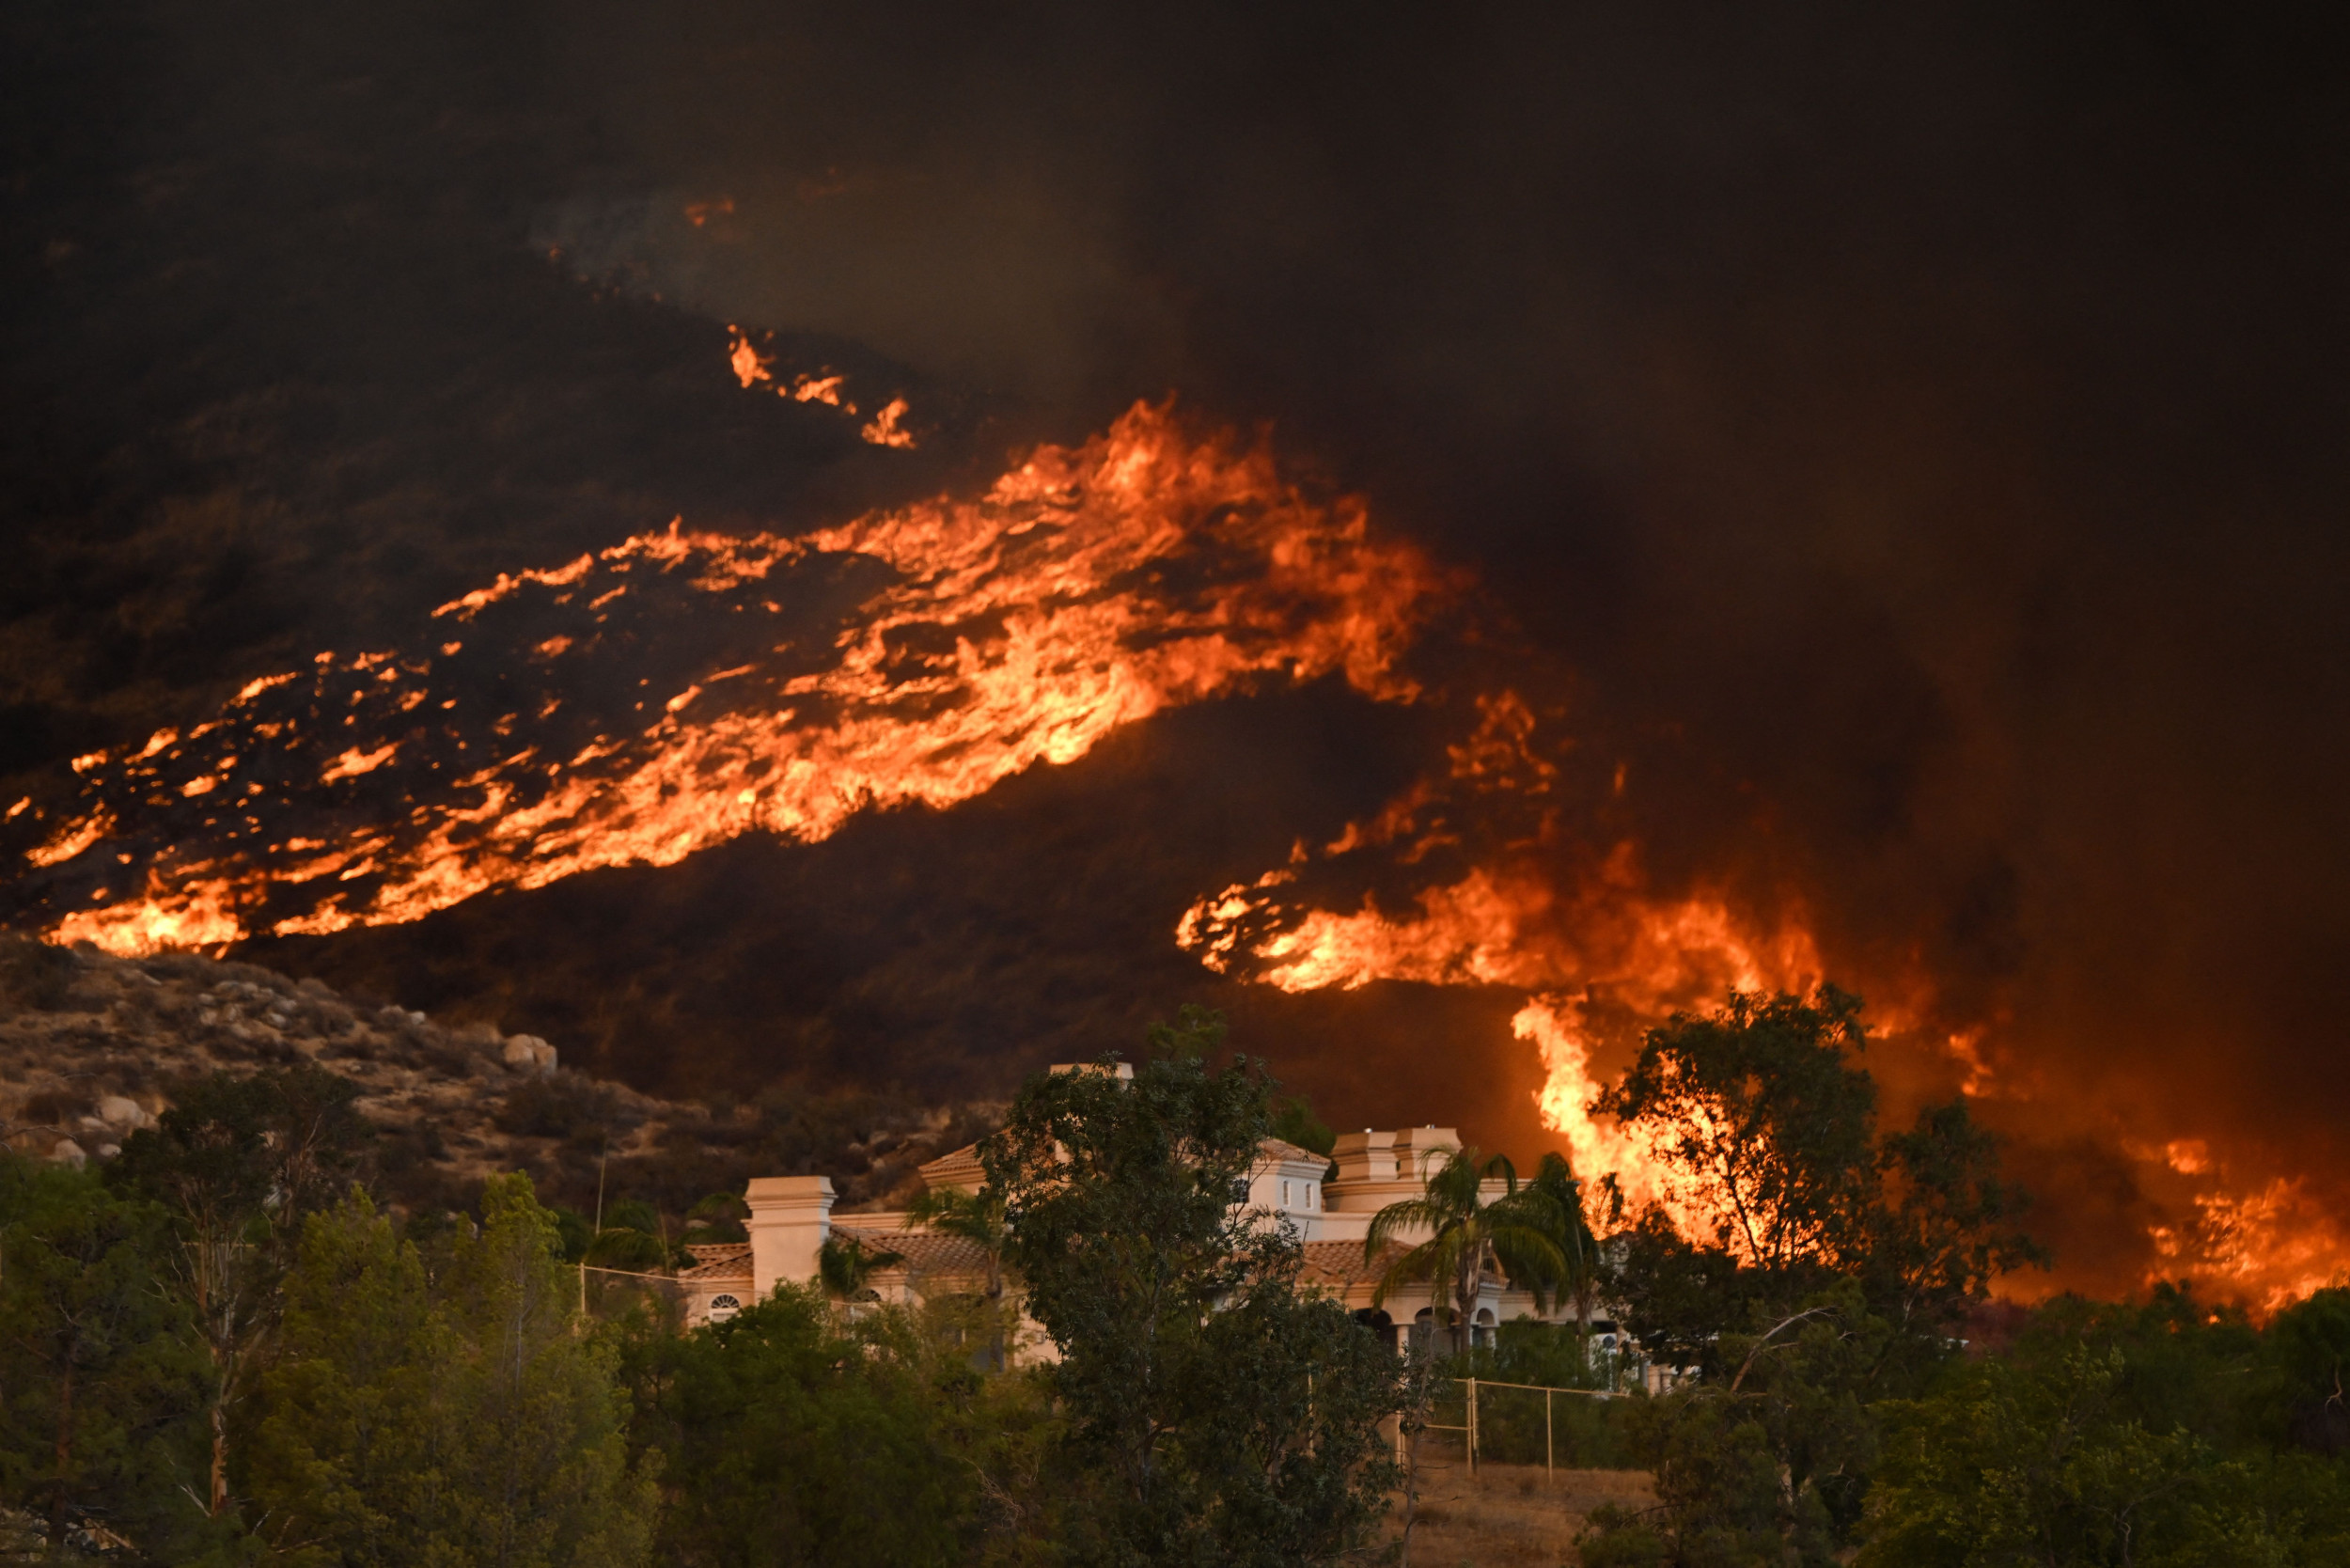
[
  {"x": 2269, "y": 1246},
  {"x": 1514, "y": 928},
  {"x": 885, "y": 431},
  {"x": 1017, "y": 629},
  {"x": 1603, "y": 944},
  {"x": 753, "y": 369}
]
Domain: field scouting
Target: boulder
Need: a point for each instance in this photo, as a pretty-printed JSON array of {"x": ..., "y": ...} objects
[
  {"x": 68, "y": 1152},
  {"x": 120, "y": 1110},
  {"x": 529, "y": 1054}
]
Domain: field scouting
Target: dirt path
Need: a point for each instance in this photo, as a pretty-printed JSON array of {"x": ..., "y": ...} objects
[{"x": 1509, "y": 1516}]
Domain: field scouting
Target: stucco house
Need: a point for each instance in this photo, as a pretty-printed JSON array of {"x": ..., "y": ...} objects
[{"x": 1331, "y": 1203}]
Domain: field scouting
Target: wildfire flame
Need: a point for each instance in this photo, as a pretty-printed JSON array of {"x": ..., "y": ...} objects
[
  {"x": 683, "y": 687},
  {"x": 755, "y": 370},
  {"x": 1088, "y": 588},
  {"x": 1498, "y": 899},
  {"x": 1600, "y": 947},
  {"x": 2271, "y": 1245}
]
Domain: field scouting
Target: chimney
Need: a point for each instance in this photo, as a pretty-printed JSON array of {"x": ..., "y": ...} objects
[
  {"x": 1366, "y": 1156},
  {"x": 791, "y": 1217},
  {"x": 1419, "y": 1151}
]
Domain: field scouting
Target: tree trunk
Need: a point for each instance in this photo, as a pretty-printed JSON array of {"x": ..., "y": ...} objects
[
  {"x": 65, "y": 1457},
  {"x": 994, "y": 1312},
  {"x": 1460, "y": 1318},
  {"x": 220, "y": 1458}
]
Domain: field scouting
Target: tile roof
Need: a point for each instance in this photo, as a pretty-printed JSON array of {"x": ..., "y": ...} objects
[
  {"x": 923, "y": 1251},
  {"x": 1277, "y": 1148},
  {"x": 1340, "y": 1264},
  {"x": 959, "y": 1169},
  {"x": 719, "y": 1262}
]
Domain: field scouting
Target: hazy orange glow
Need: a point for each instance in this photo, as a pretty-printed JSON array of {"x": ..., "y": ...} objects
[
  {"x": 1599, "y": 954},
  {"x": 1016, "y": 629},
  {"x": 2270, "y": 1246}
]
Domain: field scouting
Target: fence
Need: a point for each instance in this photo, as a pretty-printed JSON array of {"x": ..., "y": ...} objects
[
  {"x": 1512, "y": 1432},
  {"x": 608, "y": 1292}
]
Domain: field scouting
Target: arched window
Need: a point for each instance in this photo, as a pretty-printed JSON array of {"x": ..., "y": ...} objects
[{"x": 723, "y": 1307}]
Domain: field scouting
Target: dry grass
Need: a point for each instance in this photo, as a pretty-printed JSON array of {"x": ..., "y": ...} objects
[
  {"x": 1509, "y": 1516},
  {"x": 92, "y": 1047}
]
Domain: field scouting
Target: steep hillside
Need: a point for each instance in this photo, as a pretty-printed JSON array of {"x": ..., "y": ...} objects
[{"x": 92, "y": 1048}]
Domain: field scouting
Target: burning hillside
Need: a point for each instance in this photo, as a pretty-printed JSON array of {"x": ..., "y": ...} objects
[
  {"x": 684, "y": 688},
  {"x": 681, "y": 688}
]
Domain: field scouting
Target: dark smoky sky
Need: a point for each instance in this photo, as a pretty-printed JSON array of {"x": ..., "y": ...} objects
[{"x": 1921, "y": 430}]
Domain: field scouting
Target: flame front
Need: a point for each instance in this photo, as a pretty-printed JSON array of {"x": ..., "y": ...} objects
[
  {"x": 1088, "y": 588},
  {"x": 682, "y": 688}
]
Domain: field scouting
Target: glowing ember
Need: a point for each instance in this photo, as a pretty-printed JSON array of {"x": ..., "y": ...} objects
[
  {"x": 885, "y": 431},
  {"x": 735, "y": 689},
  {"x": 755, "y": 370}
]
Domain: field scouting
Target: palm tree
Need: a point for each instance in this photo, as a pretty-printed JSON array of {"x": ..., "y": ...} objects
[
  {"x": 842, "y": 1264},
  {"x": 1578, "y": 1282},
  {"x": 978, "y": 1218},
  {"x": 1467, "y": 1236}
]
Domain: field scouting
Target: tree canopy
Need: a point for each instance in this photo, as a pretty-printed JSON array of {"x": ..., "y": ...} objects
[{"x": 1230, "y": 1417}]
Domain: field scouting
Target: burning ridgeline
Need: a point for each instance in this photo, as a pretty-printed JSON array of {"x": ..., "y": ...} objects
[{"x": 1330, "y": 1202}]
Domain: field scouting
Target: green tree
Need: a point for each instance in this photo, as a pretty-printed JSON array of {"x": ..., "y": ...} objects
[
  {"x": 977, "y": 1217},
  {"x": 1294, "y": 1121},
  {"x": 350, "y": 1463},
  {"x": 1943, "y": 1224},
  {"x": 843, "y": 1265},
  {"x": 633, "y": 1239},
  {"x": 2305, "y": 1373},
  {"x": 457, "y": 1413},
  {"x": 2018, "y": 1463},
  {"x": 541, "y": 1441},
  {"x": 1468, "y": 1237},
  {"x": 238, "y": 1163},
  {"x": 1227, "y": 1418},
  {"x": 1678, "y": 1297},
  {"x": 1769, "y": 1128},
  {"x": 1766, "y": 1462},
  {"x": 103, "y": 1385},
  {"x": 787, "y": 1437}
]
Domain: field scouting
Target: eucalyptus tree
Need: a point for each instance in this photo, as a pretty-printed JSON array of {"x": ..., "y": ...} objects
[
  {"x": 1766, "y": 1122},
  {"x": 239, "y": 1164}
]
